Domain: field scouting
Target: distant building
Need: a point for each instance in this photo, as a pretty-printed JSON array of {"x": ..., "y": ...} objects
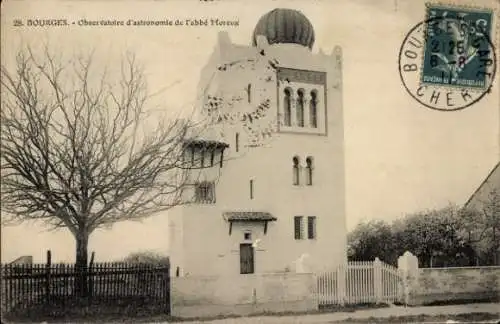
[
  {"x": 270, "y": 196},
  {"x": 488, "y": 190},
  {"x": 490, "y": 183}
]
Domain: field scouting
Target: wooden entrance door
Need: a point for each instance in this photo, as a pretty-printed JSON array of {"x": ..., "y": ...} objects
[{"x": 246, "y": 258}]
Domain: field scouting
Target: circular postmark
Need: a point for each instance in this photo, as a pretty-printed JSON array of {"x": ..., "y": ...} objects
[{"x": 448, "y": 63}]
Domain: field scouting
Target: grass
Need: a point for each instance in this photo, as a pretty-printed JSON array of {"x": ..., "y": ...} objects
[
  {"x": 75, "y": 310},
  {"x": 350, "y": 308},
  {"x": 465, "y": 317}
]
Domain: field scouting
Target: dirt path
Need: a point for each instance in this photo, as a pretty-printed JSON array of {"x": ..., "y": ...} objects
[{"x": 493, "y": 308}]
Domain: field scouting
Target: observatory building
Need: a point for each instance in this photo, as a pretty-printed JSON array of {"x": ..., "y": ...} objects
[{"x": 268, "y": 193}]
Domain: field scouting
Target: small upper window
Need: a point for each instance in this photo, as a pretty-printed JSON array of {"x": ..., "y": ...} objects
[
  {"x": 309, "y": 169},
  {"x": 251, "y": 189},
  {"x": 249, "y": 93},
  {"x": 237, "y": 142},
  {"x": 296, "y": 170}
]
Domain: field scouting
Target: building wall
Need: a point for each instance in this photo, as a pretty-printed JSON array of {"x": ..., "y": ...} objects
[
  {"x": 212, "y": 296},
  {"x": 445, "y": 284},
  {"x": 208, "y": 249}
]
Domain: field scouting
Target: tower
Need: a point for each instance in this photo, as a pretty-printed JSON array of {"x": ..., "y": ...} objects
[{"x": 274, "y": 200}]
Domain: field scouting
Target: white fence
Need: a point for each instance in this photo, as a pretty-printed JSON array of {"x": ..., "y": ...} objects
[{"x": 360, "y": 282}]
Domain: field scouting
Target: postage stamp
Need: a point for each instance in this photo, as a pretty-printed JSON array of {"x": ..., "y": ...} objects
[{"x": 448, "y": 61}]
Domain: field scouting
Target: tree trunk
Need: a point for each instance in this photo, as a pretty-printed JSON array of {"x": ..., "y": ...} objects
[{"x": 81, "y": 264}]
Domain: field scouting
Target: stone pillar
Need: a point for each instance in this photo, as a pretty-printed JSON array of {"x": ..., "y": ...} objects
[
  {"x": 408, "y": 268},
  {"x": 341, "y": 284},
  {"x": 377, "y": 276}
]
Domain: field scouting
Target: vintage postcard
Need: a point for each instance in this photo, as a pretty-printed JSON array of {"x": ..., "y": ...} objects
[{"x": 251, "y": 161}]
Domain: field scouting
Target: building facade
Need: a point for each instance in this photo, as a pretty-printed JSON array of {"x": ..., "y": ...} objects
[{"x": 268, "y": 170}]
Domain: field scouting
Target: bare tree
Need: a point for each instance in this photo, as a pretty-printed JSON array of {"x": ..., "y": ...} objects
[{"x": 78, "y": 152}]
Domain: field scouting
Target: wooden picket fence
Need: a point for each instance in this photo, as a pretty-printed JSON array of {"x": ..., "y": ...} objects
[
  {"x": 26, "y": 286},
  {"x": 360, "y": 282}
]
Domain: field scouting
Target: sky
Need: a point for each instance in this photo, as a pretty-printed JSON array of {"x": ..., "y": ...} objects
[{"x": 401, "y": 157}]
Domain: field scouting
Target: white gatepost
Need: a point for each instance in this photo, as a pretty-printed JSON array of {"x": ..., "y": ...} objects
[
  {"x": 377, "y": 276},
  {"x": 408, "y": 268}
]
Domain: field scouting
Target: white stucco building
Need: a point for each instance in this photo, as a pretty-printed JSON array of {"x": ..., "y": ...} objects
[{"x": 270, "y": 196}]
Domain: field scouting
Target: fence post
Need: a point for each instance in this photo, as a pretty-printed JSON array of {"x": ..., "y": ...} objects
[
  {"x": 47, "y": 276},
  {"x": 377, "y": 276}
]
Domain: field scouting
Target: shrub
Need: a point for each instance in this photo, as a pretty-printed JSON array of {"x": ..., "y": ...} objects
[{"x": 147, "y": 257}]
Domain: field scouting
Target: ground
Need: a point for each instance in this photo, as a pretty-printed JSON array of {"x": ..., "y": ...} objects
[{"x": 395, "y": 314}]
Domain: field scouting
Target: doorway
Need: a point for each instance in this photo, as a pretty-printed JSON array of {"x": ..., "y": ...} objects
[{"x": 246, "y": 258}]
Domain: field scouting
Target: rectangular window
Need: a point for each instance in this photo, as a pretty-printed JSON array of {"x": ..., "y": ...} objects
[
  {"x": 298, "y": 227},
  {"x": 246, "y": 258},
  {"x": 205, "y": 193},
  {"x": 311, "y": 227},
  {"x": 251, "y": 189}
]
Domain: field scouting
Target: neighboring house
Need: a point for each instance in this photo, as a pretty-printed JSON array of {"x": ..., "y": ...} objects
[
  {"x": 489, "y": 189},
  {"x": 270, "y": 196},
  {"x": 481, "y": 195}
]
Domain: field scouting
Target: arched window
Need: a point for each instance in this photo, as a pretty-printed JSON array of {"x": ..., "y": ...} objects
[
  {"x": 249, "y": 93},
  {"x": 309, "y": 169},
  {"x": 288, "y": 107},
  {"x": 296, "y": 170},
  {"x": 300, "y": 108},
  {"x": 313, "y": 109}
]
